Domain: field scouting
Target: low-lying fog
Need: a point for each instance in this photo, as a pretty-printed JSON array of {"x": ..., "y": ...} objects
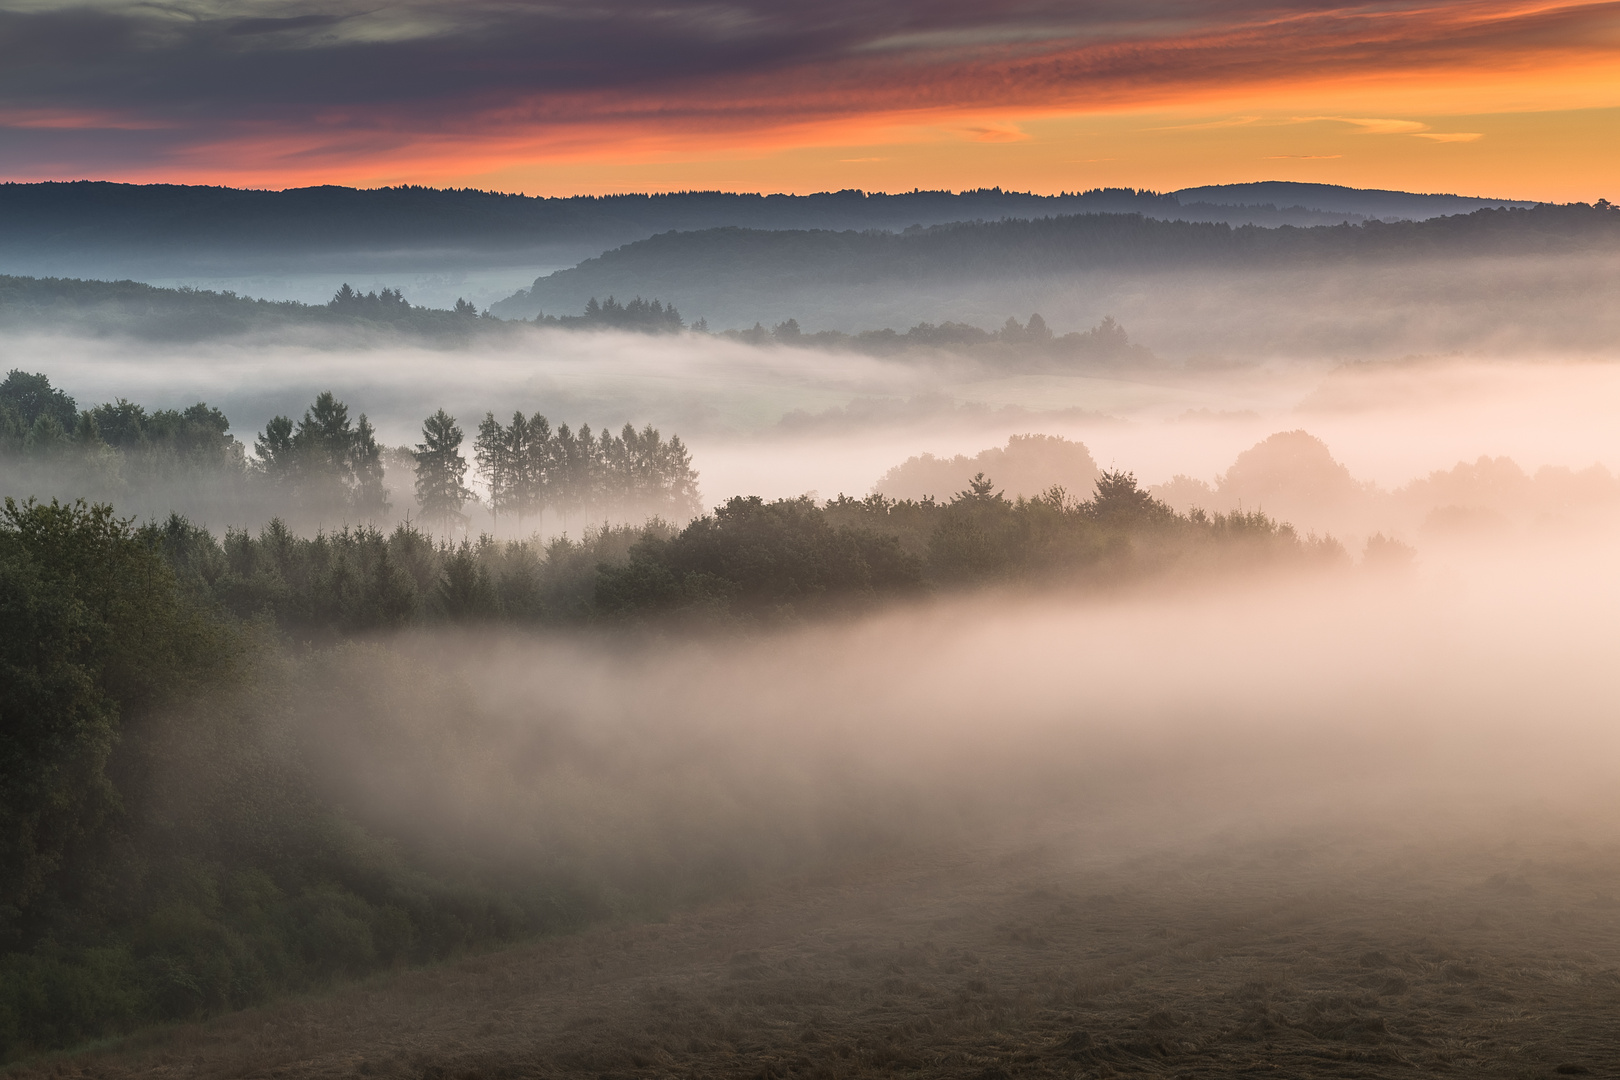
[
  {"x": 1471, "y": 698},
  {"x": 1465, "y": 693},
  {"x": 780, "y": 421}
]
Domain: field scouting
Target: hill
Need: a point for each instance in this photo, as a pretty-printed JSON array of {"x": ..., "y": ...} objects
[
  {"x": 83, "y": 227},
  {"x": 717, "y": 271},
  {"x": 135, "y": 309}
]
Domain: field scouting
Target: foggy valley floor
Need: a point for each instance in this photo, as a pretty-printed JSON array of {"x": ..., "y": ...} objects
[
  {"x": 1233, "y": 799},
  {"x": 1338, "y": 826},
  {"x": 1347, "y": 952}
]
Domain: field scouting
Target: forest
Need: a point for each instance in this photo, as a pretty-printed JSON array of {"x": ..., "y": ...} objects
[
  {"x": 326, "y": 466},
  {"x": 133, "y": 309},
  {"x": 726, "y": 258},
  {"x": 158, "y": 219}
]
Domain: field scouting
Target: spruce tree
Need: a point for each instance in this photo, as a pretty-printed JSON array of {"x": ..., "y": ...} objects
[
  {"x": 324, "y": 463},
  {"x": 535, "y": 492},
  {"x": 491, "y": 449},
  {"x": 369, "y": 497},
  {"x": 441, "y": 472}
]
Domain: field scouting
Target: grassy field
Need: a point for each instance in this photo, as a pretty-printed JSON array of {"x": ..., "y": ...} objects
[{"x": 1349, "y": 954}]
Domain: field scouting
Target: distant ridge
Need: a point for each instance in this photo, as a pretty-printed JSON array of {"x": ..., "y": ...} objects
[
  {"x": 100, "y": 229},
  {"x": 715, "y": 271},
  {"x": 1368, "y": 203}
]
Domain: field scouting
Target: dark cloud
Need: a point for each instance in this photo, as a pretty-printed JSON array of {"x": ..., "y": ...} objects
[{"x": 204, "y": 72}]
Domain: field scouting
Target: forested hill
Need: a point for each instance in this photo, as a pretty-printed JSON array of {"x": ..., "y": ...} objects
[
  {"x": 133, "y": 309},
  {"x": 89, "y": 217},
  {"x": 691, "y": 267}
]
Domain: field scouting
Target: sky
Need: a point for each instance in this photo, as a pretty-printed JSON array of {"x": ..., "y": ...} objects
[{"x": 1479, "y": 97}]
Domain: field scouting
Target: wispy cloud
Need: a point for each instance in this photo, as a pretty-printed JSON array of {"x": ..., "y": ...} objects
[
  {"x": 383, "y": 77},
  {"x": 1380, "y": 127},
  {"x": 995, "y": 133}
]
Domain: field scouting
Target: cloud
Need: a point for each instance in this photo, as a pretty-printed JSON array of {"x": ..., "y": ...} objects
[
  {"x": 1451, "y": 136},
  {"x": 1381, "y": 127},
  {"x": 282, "y": 81},
  {"x": 1212, "y": 125},
  {"x": 995, "y": 133}
]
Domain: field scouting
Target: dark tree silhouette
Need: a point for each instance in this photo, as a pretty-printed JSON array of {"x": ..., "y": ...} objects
[{"x": 441, "y": 472}]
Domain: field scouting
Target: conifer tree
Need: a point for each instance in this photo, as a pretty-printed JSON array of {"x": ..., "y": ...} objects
[
  {"x": 369, "y": 496},
  {"x": 491, "y": 449},
  {"x": 535, "y": 489},
  {"x": 326, "y": 464},
  {"x": 441, "y": 471}
]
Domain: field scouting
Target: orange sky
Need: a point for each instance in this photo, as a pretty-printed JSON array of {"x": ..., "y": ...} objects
[{"x": 1517, "y": 100}]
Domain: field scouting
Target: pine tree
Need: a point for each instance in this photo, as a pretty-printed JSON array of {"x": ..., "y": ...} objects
[
  {"x": 586, "y": 470},
  {"x": 492, "y": 452},
  {"x": 369, "y": 497},
  {"x": 275, "y": 449},
  {"x": 326, "y": 464},
  {"x": 535, "y": 489},
  {"x": 441, "y": 472}
]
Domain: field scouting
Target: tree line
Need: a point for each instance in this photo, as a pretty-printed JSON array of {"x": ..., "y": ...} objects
[
  {"x": 328, "y": 466},
  {"x": 135, "y": 309},
  {"x": 144, "y": 310},
  {"x": 527, "y": 468},
  {"x": 646, "y": 316},
  {"x": 119, "y": 439},
  {"x": 748, "y": 562},
  {"x": 1014, "y": 341}
]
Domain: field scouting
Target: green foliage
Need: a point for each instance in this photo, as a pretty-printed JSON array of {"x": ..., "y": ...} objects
[
  {"x": 167, "y": 845},
  {"x": 759, "y": 559},
  {"x": 361, "y": 580},
  {"x": 751, "y": 559},
  {"x": 26, "y": 399},
  {"x": 97, "y": 636},
  {"x": 325, "y": 464},
  {"x": 441, "y": 471},
  {"x": 58, "y": 724}
]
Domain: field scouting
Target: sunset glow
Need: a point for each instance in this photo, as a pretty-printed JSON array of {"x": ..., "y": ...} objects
[{"x": 1511, "y": 99}]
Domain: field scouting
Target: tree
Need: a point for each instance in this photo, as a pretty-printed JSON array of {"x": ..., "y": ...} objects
[
  {"x": 492, "y": 449},
  {"x": 571, "y": 470},
  {"x": 532, "y": 447},
  {"x": 274, "y": 446},
  {"x": 369, "y": 496},
  {"x": 30, "y": 397},
  {"x": 1119, "y": 501},
  {"x": 980, "y": 489},
  {"x": 325, "y": 463},
  {"x": 657, "y": 476},
  {"x": 441, "y": 471},
  {"x": 96, "y": 634}
]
